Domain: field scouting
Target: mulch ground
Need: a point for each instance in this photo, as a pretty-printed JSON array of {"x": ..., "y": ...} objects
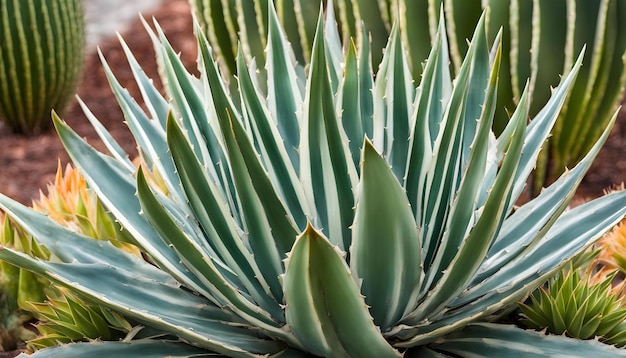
[{"x": 28, "y": 164}]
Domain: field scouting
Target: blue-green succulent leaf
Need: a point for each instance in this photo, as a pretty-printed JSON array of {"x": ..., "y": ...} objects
[
  {"x": 271, "y": 148},
  {"x": 154, "y": 101},
  {"x": 386, "y": 250},
  {"x": 325, "y": 308},
  {"x": 445, "y": 172},
  {"x": 117, "y": 190},
  {"x": 326, "y": 167},
  {"x": 573, "y": 232},
  {"x": 214, "y": 216},
  {"x": 200, "y": 261},
  {"x": 334, "y": 51},
  {"x": 162, "y": 305},
  {"x": 110, "y": 143},
  {"x": 462, "y": 218},
  {"x": 517, "y": 258},
  {"x": 284, "y": 95},
  {"x": 148, "y": 134},
  {"x": 497, "y": 340},
  {"x": 148, "y": 348},
  {"x": 366, "y": 83},
  {"x": 394, "y": 96},
  {"x": 350, "y": 105},
  {"x": 538, "y": 131},
  {"x": 271, "y": 232},
  {"x": 432, "y": 98}
]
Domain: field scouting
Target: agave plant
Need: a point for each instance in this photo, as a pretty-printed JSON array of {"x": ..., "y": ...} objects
[
  {"x": 541, "y": 40},
  {"x": 256, "y": 247},
  {"x": 41, "y": 56}
]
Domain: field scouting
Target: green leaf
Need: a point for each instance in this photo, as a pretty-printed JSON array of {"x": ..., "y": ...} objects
[
  {"x": 395, "y": 85},
  {"x": 461, "y": 217},
  {"x": 497, "y": 340},
  {"x": 271, "y": 230},
  {"x": 149, "y": 134},
  {"x": 433, "y": 96},
  {"x": 413, "y": 19},
  {"x": 117, "y": 189},
  {"x": 445, "y": 171},
  {"x": 325, "y": 309},
  {"x": 149, "y": 348},
  {"x": 573, "y": 232},
  {"x": 385, "y": 250},
  {"x": 270, "y": 146},
  {"x": 376, "y": 21},
  {"x": 99, "y": 271},
  {"x": 251, "y": 35},
  {"x": 538, "y": 131},
  {"x": 538, "y": 217},
  {"x": 475, "y": 245},
  {"x": 284, "y": 95},
  {"x": 351, "y": 104},
  {"x": 215, "y": 218},
  {"x": 326, "y": 167},
  {"x": 191, "y": 103},
  {"x": 194, "y": 255}
]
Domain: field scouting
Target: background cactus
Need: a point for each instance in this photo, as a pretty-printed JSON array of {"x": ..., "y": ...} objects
[
  {"x": 551, "y": 30},
  {"x": 41, "y": 56}
]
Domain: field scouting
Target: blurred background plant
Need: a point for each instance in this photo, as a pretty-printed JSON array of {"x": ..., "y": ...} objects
[
  {"x": 541, "y": 39},
  {"x": 612, "y": 255},
  {"x": 41, "y": 57},
  {"x": 61, "y": 315}
]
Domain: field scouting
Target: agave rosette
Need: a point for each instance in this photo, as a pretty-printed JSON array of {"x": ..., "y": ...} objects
[{"x": 333, "y": 214}]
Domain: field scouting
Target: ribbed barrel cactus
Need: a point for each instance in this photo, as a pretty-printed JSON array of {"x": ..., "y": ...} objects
[
  {"x": 540, "y": 41},
  {"x": 338, "y": 215},
  {"x": 41, "y": 56}
]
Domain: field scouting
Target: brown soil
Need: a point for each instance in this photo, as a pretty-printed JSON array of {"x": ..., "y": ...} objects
[{"x": 29, "y": 163}]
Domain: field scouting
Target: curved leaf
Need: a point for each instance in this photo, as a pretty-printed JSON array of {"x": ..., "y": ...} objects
[
  {"x": 325, "y": 309},
  {"x": 386, "y": 250},
  {"x": 326, "y": 167},
  {"x": 497, "y": 340},
  {"x": 147, "y": 348}
]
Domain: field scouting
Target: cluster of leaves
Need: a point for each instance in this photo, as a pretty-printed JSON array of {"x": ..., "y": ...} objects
[
  {"x": 63, "y": 316},
  {"x": 540, "y": 40},
  {"x": 575, "y": 305}
]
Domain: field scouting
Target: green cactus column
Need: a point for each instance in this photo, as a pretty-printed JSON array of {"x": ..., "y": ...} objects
[{"x": 41, "y": 56}]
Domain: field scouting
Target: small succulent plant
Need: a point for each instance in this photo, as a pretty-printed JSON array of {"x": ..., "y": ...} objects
[
  {"x": 71, "y": 203},
  {"x": 16, "y": 286},
  {"x": 579, "y": 305}
]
